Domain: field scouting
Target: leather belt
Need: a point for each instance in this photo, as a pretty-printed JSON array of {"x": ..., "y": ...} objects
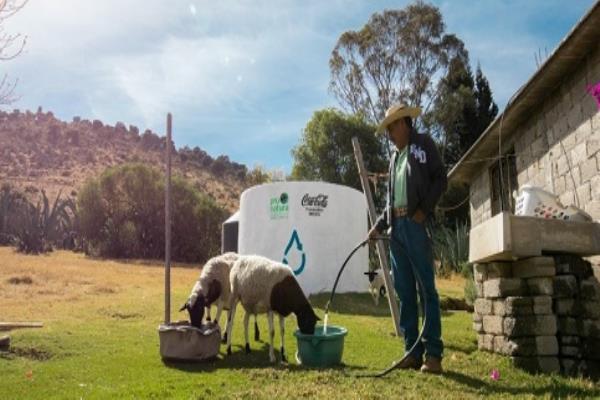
[{"x": 399, "y": 212}]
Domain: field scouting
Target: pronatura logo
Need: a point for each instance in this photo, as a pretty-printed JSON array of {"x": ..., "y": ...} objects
[{"x": 279, "y": 206}]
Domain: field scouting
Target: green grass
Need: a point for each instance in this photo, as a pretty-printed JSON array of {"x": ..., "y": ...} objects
[{"x": 103, "y": 343}]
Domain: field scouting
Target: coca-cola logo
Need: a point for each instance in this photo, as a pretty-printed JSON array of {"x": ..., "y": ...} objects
[{"x": 314, "y": 204}]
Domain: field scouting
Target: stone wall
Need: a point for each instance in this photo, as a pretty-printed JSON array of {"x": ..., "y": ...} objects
[
  {"x": 543, "y": 312},
  {"x": 558, "y": 147}
]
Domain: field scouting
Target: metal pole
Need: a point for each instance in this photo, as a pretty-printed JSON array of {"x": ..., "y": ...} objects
[
  {"x": 383, "y": 259},
  {"x": 168, "y": 225}
]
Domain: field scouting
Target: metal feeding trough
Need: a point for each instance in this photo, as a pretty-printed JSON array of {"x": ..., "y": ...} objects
[
  {"x": 180, "y": 341},
  {"x": 321, "y": 349}
]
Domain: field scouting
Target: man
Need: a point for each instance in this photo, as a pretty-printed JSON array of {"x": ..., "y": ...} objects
[{"x": 417, "y": 179}]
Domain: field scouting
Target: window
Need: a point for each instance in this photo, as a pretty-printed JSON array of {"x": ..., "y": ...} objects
[{"x": 503, "y": 183}]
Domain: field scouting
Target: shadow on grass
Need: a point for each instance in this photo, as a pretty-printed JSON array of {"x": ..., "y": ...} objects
[
  {"x": 351, "y": 303},
  {"x": 258, "y": 359},
  {"x": 467, "y": 349},
  {"x": 555, "y": 389},
  {"x": 360, "y": 304}
]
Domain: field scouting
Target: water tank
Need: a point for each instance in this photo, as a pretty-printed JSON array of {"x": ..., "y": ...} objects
[
  {"x": 229, "y": 234},
  {"x": 310, "y": 226}
]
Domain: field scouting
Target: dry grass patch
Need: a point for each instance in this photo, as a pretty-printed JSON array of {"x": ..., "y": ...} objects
[{"x": 31, "y": 286}]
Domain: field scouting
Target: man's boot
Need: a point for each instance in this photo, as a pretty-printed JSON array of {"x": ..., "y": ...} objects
[
  {"x": 410, "y": 362},
  {"x": 432, "y": 365}
]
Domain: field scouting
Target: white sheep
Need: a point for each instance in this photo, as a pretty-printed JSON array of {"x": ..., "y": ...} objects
[
  {"x": 266, "y": 286},
  {"x": 213, "y": 286}
]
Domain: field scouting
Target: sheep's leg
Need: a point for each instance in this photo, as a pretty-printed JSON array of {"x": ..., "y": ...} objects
[
  {"x": 219, "y": 310},
  {"x": 208, "y": 313},
  {"x": 246, "y": 319},
  {"x": 231, "y": 316},
  {"x": 256, "y": 331},
  {"x": 271, "y": 335},
  {"x": 282, "y": 333},
  {"x": 220, "y": 307}
]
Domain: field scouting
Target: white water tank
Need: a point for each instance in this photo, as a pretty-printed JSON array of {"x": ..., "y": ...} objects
[{"x": 312, "y": 227}]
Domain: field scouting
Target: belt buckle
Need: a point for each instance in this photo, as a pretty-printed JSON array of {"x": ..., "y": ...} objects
[{"x": 400, "y": 212}]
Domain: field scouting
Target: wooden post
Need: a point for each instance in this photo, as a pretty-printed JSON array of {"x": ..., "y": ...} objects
[
  {"x": 381, "y": 252},
  {"x": 168, "y": 225},
  {"x": 4, "y": 343},
  {"x": 9, "y": 326}
]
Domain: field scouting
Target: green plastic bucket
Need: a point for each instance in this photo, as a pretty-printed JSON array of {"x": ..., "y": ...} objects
[{"x": 321, "y": 350}]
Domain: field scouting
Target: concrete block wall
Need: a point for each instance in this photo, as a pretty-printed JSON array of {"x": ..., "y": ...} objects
[
  {"x": 543, "y": 312},
  {"x": 557, "y": 148}
]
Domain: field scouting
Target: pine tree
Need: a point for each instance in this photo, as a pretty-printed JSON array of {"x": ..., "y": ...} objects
[{"x": 486, "y": 108}]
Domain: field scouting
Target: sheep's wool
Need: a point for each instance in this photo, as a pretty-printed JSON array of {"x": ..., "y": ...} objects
[
  {"x": 253, "y": 278},
  {"x": 217, "y": 268}
]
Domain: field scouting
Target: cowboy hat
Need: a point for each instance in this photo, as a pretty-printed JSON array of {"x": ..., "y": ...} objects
[{"x": 396, "y": 112}]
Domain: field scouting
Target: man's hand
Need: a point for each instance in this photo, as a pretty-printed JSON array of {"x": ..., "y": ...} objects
[
  {"x": 373, "y": 233},
  {"x": 419, "y": 216}
]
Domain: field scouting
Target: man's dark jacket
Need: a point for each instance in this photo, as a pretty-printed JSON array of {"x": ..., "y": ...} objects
[{"x": 426, "y": 179}]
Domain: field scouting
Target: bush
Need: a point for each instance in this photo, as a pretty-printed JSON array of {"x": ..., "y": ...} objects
[
  {"x": 122, "y": 216},
  {"x": 470, "y": 290},
  {"x": 10, "y": 201}
]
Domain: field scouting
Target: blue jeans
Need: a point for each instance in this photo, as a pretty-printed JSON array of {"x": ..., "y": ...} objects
[{"x": 416, "y": 244}]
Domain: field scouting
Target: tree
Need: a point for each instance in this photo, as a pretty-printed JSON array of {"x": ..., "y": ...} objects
[
  {"x": 406, "y": 56},
  {"x": 11, "y": 45},
  {"x": 394, "y": 58},
  {"x": 325, "y": 150},
  {"x": 453, "y": 120},
  {"x": 121, "y": 215},
  {"x": 486, "y": 108},
  {"x": 462, "y": 111}
]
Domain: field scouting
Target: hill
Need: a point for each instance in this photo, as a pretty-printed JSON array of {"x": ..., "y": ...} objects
[{"x": 39, "y": 151}]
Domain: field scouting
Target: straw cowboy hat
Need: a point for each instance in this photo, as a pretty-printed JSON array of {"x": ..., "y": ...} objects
[{"x": 396, "y": 112}]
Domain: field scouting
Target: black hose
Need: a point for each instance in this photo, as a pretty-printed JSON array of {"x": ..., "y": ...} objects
[
  {"x": 361, "y": 244},
  {"x": 396, "y": 363}
]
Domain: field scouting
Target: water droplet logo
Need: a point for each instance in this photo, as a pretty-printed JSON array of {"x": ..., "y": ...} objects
[{"x": 295, "y": 241}]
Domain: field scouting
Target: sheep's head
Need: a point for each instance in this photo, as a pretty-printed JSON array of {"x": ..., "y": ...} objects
[
  {"x": 197, "y": 311},
  {"x": 307, "y": 321}
]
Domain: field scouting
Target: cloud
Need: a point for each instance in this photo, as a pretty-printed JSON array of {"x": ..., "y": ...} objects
[{"x": 242, "y": 78}]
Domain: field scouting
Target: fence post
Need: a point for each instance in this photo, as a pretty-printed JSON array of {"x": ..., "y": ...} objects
[{"x": 168, "y": 225}]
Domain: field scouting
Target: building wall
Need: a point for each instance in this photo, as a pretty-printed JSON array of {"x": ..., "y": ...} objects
[{"x": 558, "y": 148}]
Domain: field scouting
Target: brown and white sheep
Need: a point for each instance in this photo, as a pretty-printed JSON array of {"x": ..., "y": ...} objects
[{"x": 266, "y": 286}]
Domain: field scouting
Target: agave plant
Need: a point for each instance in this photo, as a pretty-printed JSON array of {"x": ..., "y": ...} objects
[
  {"x": 451, "y": 247},
  {"x": 43, "y": 225}
]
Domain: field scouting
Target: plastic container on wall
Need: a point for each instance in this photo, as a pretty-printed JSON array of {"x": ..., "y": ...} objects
[
  {"x": 310, "y": 226},
  {"x": 536, "y": 202}
]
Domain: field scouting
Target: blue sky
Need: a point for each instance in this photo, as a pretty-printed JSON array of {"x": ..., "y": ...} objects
[{"x": 242, "y": 78}]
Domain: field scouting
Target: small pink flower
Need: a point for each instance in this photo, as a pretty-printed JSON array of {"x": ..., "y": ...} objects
[
  {"x": 594, "y": 91},
  {"x": 495, "y": 374}
]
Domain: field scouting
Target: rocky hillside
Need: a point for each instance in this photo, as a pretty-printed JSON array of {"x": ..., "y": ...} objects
[{"x": 39, "y": 151}]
